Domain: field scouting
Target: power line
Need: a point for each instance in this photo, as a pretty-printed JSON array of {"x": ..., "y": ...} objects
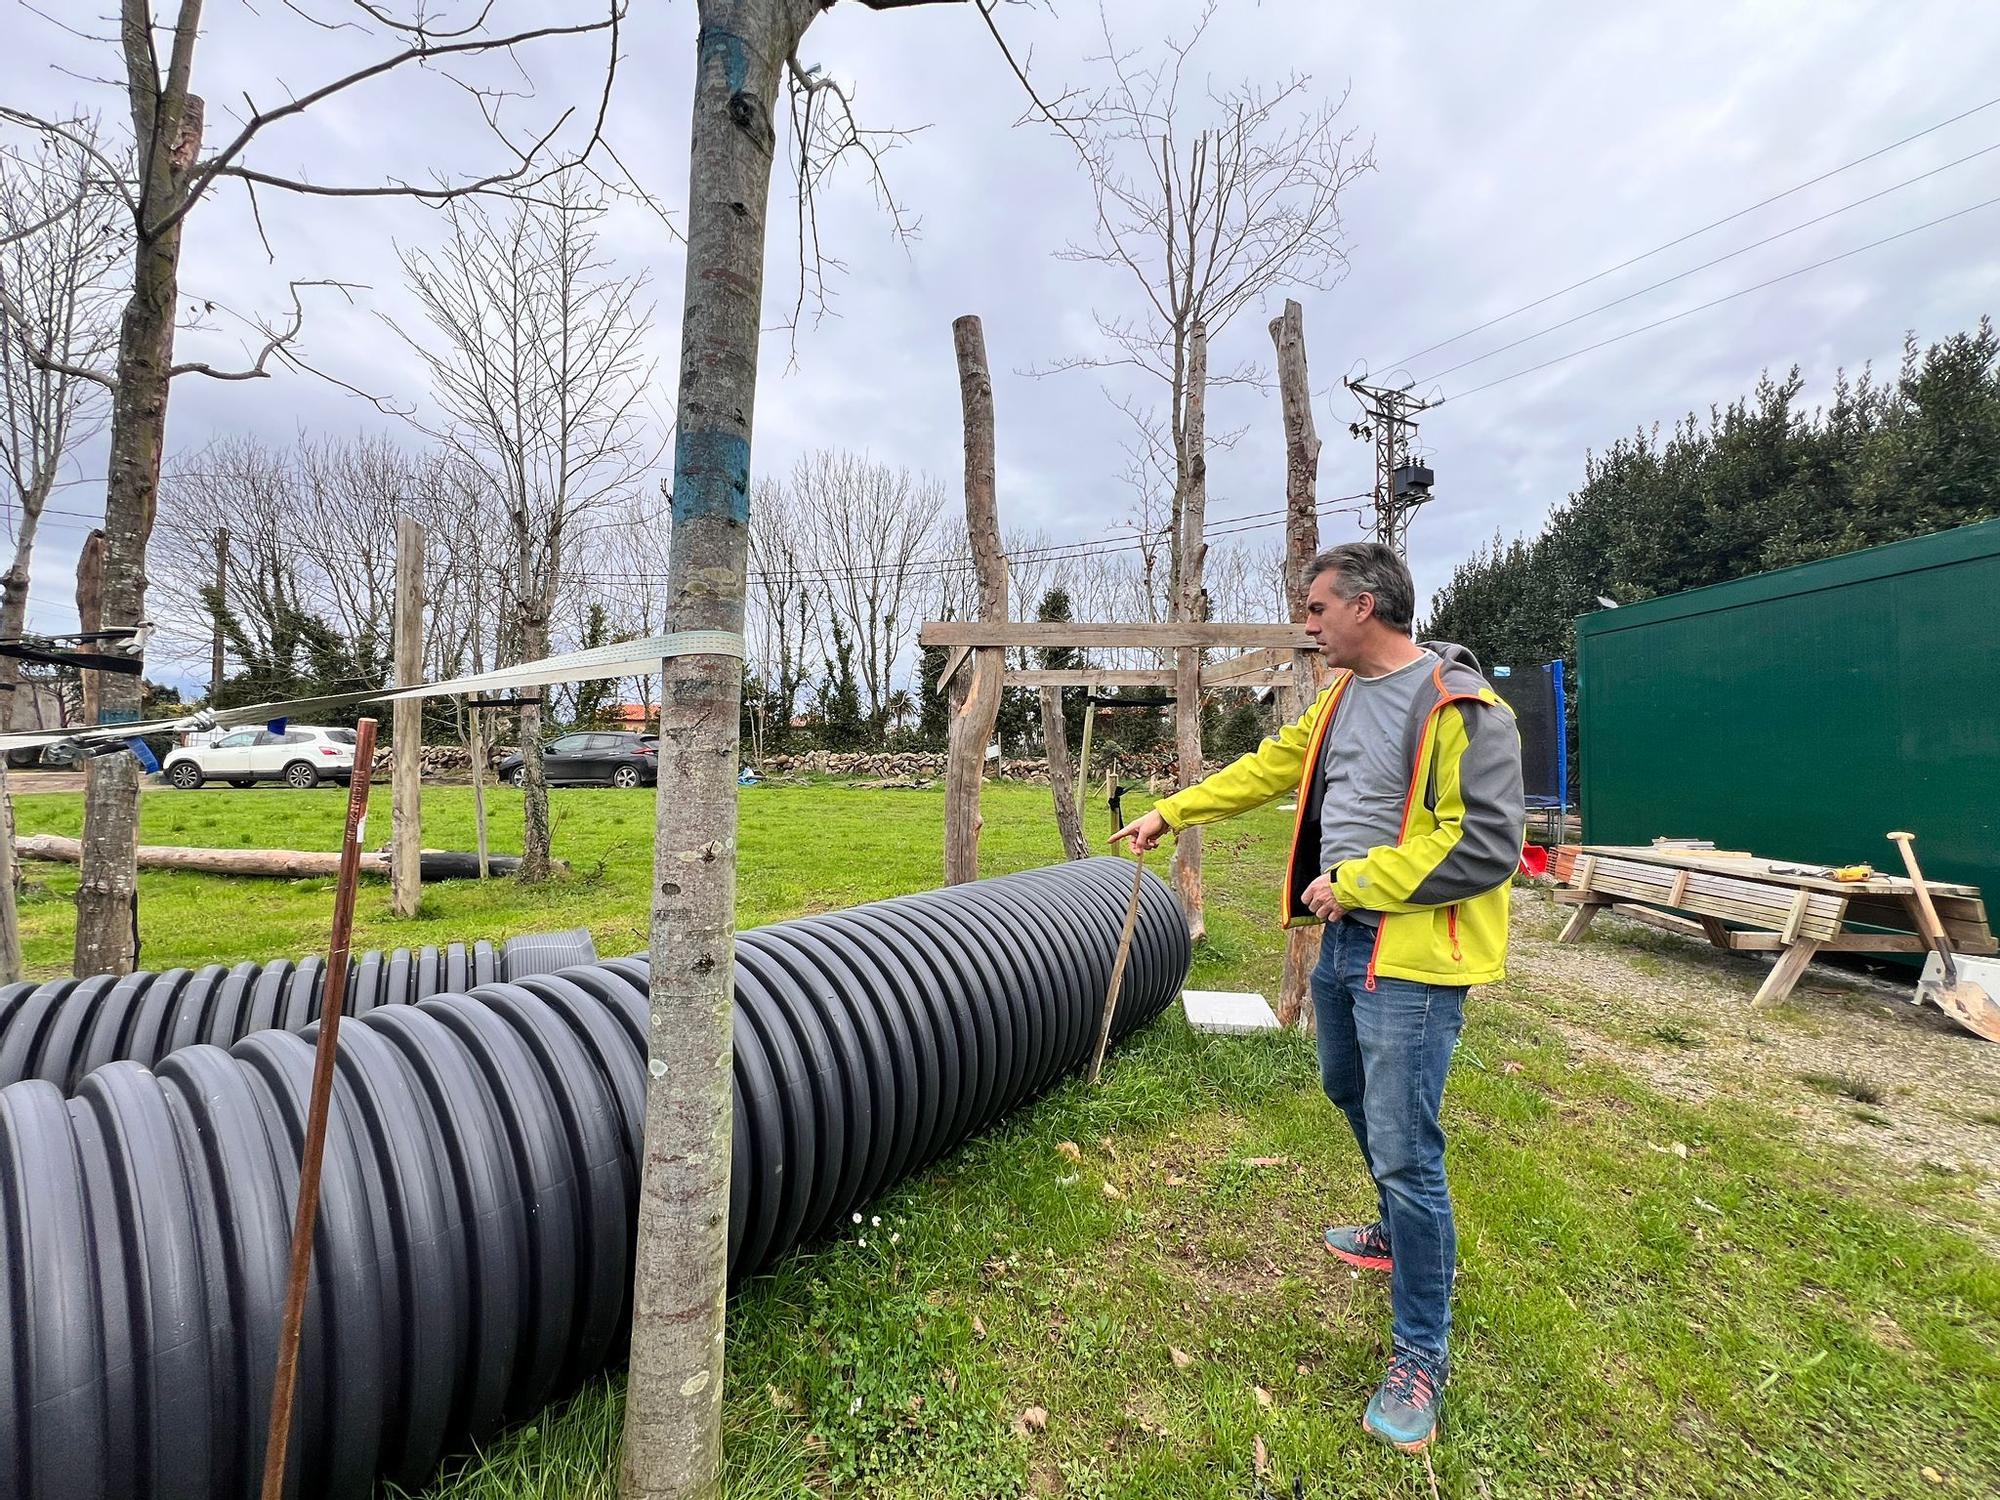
[
  {"x": 937, "y": 565},
  {"x": 1692, "y": 233},
  {"x": 1727, "y": 297},
  {"x": 1527, "y": 338},
  {"x": 951, "y": 566}
]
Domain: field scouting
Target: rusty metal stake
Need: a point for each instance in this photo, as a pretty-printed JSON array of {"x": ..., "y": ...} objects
[
  {"x": 285, "y": 1384},
  {"x": 1118, "y": 968}
]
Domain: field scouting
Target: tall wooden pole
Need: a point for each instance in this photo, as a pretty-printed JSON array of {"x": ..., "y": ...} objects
[
  {"x": 90, "y": 614},
  {"x": 215, "y": 663},
  {"x": 1288, "y": 333},
  {"x": 406, "y": 796},
  {"x": 1192, "y": 552},
  {"x": 285, "y": 1380},
  {"x": 976, "y": 686}
]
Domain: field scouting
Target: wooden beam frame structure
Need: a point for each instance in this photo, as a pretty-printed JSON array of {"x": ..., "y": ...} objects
[
  {"x": 1267, "y": 657},
  {"x": 1268, "y": 664},
  {"x": 1169, "y": 636}
]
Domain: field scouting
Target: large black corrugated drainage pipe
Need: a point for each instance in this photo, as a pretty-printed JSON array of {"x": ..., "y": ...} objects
[
  {"x": 474, "y": 1242},
  {"x": 60, "y": 1030}
]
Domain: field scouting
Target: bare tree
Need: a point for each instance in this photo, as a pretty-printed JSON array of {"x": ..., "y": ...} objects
[
  {"x": 311, "y": 539},
  {"x": 625, "y": 555},
  {"x": 60, "y": 244},
  {"x": 61, "y": 240},
  {"x": 168, "y": 177},
  {"x": 1206, "y": 202},
  {"x": 779, "y": 604},
  {"x": 540, "y": 369},
  {"x": 873, "y": 528}
]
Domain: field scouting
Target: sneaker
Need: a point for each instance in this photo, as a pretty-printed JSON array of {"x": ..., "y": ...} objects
[
  {"x": 1403, "y": 1412},
  {"x": 1366, "y": 1246}
]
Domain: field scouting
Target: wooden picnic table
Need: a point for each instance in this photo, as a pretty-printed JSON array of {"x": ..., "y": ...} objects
[{"x": 1743, "y": 903}]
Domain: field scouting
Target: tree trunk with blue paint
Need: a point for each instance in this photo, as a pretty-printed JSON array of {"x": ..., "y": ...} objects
[{"x": 673, "y": 1405}]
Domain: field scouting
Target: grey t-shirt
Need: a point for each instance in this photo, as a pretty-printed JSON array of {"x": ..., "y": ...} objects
[{"x": 1367, "y": 780}]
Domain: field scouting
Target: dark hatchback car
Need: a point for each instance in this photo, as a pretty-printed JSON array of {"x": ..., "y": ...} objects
[{"x": 596, "y": 755}]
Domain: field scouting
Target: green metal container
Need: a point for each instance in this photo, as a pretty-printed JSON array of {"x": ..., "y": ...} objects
[{"x": 1802, "y": 714}]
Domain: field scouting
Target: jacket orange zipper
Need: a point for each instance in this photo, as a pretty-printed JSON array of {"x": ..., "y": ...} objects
[
  {"x": 1305, "y": 782},
  {"x": 1409, "y": 807},
  {"x": 1451, "y": 926}
]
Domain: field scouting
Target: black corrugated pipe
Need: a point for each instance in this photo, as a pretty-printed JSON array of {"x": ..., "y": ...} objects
[
  {"x": 475, "y": 1235},
  {"x": 60, "y": 1030}
]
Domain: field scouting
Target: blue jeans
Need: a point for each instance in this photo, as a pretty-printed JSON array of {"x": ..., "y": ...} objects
[{"x": 1383, "y": 1056}]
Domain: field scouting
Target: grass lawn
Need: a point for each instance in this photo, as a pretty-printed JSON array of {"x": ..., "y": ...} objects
[{"x": 1655, "y": 1297}]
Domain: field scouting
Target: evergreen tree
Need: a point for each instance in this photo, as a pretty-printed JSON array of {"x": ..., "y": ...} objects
[
  {"x": 1760, "y": 484},
  {"x": 842, "y": 726}
]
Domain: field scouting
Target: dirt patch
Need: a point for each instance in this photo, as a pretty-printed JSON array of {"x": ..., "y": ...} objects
[{"x": 1847, "y": 1055}]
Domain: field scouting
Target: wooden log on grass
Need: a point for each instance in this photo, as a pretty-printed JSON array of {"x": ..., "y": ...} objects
[{"x": 282, "y": 864}]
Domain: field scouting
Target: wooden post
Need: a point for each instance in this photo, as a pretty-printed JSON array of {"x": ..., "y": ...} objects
[
  {"x": 10, "y": 914},
  {"x": 478, "y": 748},
  {"x": 1302, "y": 446},
  {"x": 976, "y": 689},
  {"x": 1187, "y": 677},
  {"x": 476, "y": 727},
  {"x": 1055, "y": 741},
  {"x": 406, "y": 795},
  {"x": 283, "y": 1385},
  {"x": 90, "y": 613},
  {"x": 215, "y": 662},
  {"x": 1580, "y": 920},
  {"x": 1083, "y": 758}
]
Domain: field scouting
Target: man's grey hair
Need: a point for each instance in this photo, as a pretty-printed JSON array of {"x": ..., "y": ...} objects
[{"x": 1371, "y": 568}]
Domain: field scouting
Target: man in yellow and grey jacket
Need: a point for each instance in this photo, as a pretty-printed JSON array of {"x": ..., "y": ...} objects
[{"x": 1407, "y": 771}]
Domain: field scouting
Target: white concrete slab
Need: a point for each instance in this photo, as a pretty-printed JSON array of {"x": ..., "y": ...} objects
[{"x": 1228, "y": 1012}]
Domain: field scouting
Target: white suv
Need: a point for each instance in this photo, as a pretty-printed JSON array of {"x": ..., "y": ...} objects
[{"x": 303, "y": 756}]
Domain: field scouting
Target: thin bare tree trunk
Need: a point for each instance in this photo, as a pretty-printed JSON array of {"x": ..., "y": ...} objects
[
  {"x": 1062, "y": 784},
  {"x": 14, "y": 593},
  {"x": 975, "y": 704},
  {"x": 167, "y": 125},
  {"x": 1288, "y": 333},
  {"x": 536, "y": 835},
  {"x": 1193, "y": 512},
  {"x": 673, "y": 1406},
  {"x": 13, "y": 619}
]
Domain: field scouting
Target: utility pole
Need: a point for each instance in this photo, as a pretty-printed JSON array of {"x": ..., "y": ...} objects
[
  {"x": 221, "y": 599},
  {"x": 1401, "y": 483},
  {"x": 406, "y": 816}
]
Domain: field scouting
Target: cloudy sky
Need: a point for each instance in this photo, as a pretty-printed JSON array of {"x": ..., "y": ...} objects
[{"x": 1519, "y": 149}]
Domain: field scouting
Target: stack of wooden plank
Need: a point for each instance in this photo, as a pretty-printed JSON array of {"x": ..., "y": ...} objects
[
  {"x": 1738, "y": 901},
  {"x": 1675, "y": 882}
]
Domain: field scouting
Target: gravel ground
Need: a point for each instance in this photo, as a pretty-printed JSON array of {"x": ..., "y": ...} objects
[{"x": 1847, "y": 1055}]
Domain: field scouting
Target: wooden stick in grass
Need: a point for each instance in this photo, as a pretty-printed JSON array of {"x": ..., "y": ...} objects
[
  {"x": 285, "y": 1383},
  {"x": 1118, "y": 967}
]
